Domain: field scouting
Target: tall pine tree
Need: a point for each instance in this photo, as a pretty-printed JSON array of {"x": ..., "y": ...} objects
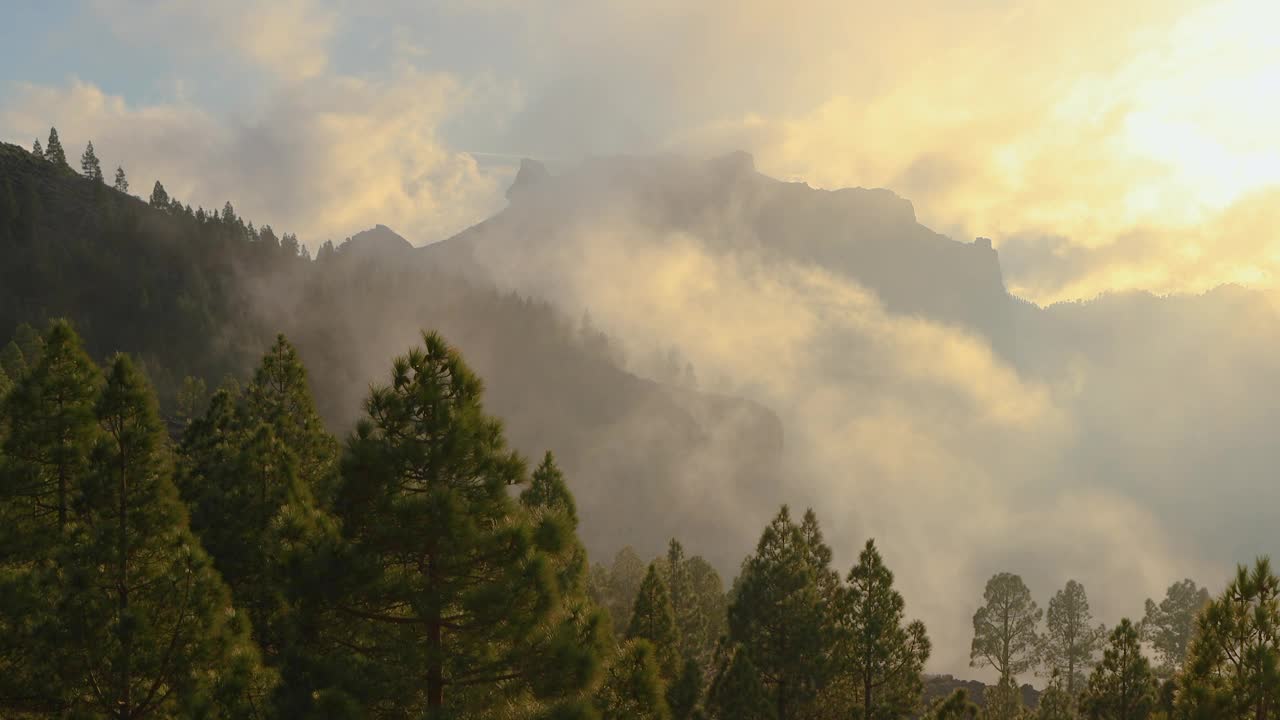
[
  {"x": 150, "y": 630},
  {"x": 1004, "y": 628},
  {"x": 1233, "y": 669},
  {"x": 50, "y": 421},
  {"x": 89, "y": 165},
  {"x": 1122, "y": 687},
  {"x": 1171, "y": 625},
  {"x": 885, "y": 655},
  {"x": 449, "y": 579},
  {"x": 782, "y": 615},
  {"x": 653, "y": 619},
  {"x": 53, "y": 151},
  {"x": 1071, "y": 640},
  {"x": 280, "y": 396}
]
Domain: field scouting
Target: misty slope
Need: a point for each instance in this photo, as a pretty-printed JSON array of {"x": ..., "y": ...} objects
[{"x": 193, "y": 295}]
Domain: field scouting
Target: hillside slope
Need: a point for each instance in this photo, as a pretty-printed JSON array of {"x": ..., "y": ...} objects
[{"x": 201, "y": 294}]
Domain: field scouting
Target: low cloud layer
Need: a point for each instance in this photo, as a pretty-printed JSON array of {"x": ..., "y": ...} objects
[{"x": 896, "y": 428}]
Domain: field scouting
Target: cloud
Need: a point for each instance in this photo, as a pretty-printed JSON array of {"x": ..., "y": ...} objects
[
  {"x": 288, "y": 38},
  {"x": 323, "y": 158},
  {"x": 1126, "y": 124},
  {"x": 897, "y": 428}
]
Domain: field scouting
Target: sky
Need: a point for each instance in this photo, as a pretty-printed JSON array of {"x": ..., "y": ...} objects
[{"x": 1103, "y": 146}]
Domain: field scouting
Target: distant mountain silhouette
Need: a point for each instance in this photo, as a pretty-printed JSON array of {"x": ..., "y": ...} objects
[{"x": 869, "y": 235}]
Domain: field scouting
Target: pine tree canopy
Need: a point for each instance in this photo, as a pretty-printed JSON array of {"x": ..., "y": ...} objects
[{"x": 474, "y": 602}]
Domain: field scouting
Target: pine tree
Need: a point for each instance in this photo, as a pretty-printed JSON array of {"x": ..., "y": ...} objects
[
  {"x": 1004, "y": 628},
  {"x": 122, "y": 183},
  {"x": 614, "y": 588},
  {"x": 736, "y": 693},
  {"x": 1122, "y": 687},
  {"x": 12, "y": 361},
  {"x": 30, "y": 342},
  {"x": 1070, "y": 641},
  {"x": 782, "y": 614},
  {"x": 48, "y": 424},
  {"x": 633, "y": 687},
  {"x": 280, "y": 396},
  {"x": 148, "y": 620},
  {"x": 159, "y": 198},
  {"x": 684, "y": 693},
  {"x": 1171, "y": 625},
  {"x": 37, "y": 150},
  {"x": 691, "y": 624},
  {"x": 89, "y": 165},
  {"x": 49, "y": 415},
  {"x": 53, "y": 151},
  {"x": 448, "y": 577},
  {"x": 1233, "y": 668},
  {"x": 652, "y": 619},
  {"x": 712, "y": 606},
  {"x": 884, "y": 655}
]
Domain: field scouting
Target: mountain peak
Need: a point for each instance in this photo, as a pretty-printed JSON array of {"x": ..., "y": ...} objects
[
  {"x": 531, "y": 174},
  {"x": 378, "y": 240}
]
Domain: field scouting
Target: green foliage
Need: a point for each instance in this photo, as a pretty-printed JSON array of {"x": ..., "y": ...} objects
[
  {"x": 89, "y": 165},
  {"x": 192, "y": 400},
  {"x": 633, "y": 687},
  {"x": 48, "y": 419},
  {"x": 1004, "y": 628},
  {"x": 448, "y": 576},
  {"x": 53, "y": 151},
  {"x": 12, "y": 361},
  {"x": 1233, "y": 668},
  {"x": 49, "y": 416},
  {"x": 280, "y": 396},
  {"x": 240, "y": 473},
  {"x": 1003, "y": 702},
  {"x": 30, "y": 342},
  {"x": 615, "y": 588},
  {"x": 885, "y": 655},
  {"x": 653, "y": 620},
  {"x": 37, "y": 150},
  {"x": 1122, "y": 687},
  {"x": 955, "y": 706},
  {"x": 121, "y": 182},
  {"x": 149, "y": 627},
  {"x": 782, "y": 615},
  {"x": 737, "y": 693},
  {"x": 1171, "y": 625},
  {"x": 159, "y": 197},
  {"x": 1056, "y": 703},
  {"x": 1070, "y": 641},
  {"x": 684, "y": 693}
]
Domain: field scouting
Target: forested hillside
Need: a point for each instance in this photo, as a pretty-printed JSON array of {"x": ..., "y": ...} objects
[
  {"x": 258, "y": 568},
  {"x": 195, "y": 294}
]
